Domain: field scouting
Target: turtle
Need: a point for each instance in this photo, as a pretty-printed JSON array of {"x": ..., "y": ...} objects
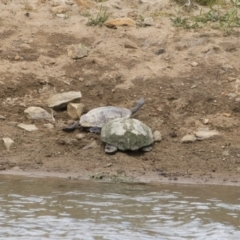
[
  {"x": 126, "y": 134},
  {"x": 96, "y": 118}
]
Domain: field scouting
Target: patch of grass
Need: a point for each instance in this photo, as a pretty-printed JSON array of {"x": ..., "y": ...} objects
[
  {"x": 101, "y": 17},
  {"x": 215, "y": 18}
]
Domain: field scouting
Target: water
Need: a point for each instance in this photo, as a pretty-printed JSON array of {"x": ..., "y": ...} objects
[{"x": 65, "y": 209}]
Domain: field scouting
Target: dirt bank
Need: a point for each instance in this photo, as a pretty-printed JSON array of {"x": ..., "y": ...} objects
[{"x": 188, "y": 78}]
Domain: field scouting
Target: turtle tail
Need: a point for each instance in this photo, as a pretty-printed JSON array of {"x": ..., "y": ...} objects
[{"x": 138, "y": 105}]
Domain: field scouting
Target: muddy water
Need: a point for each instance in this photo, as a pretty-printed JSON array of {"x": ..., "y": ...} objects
[{"x": 32, "y": 208}]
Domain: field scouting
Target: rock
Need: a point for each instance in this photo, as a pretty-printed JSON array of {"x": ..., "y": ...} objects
[
  {"x": 37, "y": 113},
  {"x": 205, "y": 121},
  {"x": 8, "y": 142},
  {"x": 148, "y": 21},
  {"x": 194, "y": 64},
  {"x": 157, "y": 136},
  {"x": 205, "y": 133},
  {"x": 80, "y": 136},
  {"x": 75, "y": 110},
  {"x": 2, "y": 117},
  {"x": 28, "y": 127},
  {"x": 62, "y": 15},
  {"x": 189, "y": 138},
  {"x": 60, "y": 100},
  {"x": 91, "y": 146},
  {"x": 77, "y": 51},
  {"x": 60, "y": 9},
  {"x": 114, "y": 23}
]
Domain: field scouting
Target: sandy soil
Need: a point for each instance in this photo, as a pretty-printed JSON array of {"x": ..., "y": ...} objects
[{"x": 155, "y": 62}]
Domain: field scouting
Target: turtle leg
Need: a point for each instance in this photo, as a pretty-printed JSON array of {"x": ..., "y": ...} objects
[
  {"x": 71, "y": 128},
  {"x": 95, "y": 130},
  {"x": 110, "y": 149},
  {"x": 147, "y": 149}
]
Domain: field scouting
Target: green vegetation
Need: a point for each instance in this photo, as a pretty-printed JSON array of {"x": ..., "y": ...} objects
[
  {"x": 221, "y": 14},
  {"x": 101, "y": 17}
]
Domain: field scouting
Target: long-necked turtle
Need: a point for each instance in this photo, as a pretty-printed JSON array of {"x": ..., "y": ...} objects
[
  {"x": 98, "y": 117},
  {"x": 126, "y": 134}
]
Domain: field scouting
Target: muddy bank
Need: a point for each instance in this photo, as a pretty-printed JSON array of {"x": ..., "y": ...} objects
[{"x": 189, "y": 79}]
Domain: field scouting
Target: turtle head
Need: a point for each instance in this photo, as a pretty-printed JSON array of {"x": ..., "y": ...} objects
[{"x": 138, "y": 105}]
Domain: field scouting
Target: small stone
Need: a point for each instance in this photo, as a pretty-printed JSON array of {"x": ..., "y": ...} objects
[
  {"x": 91, "y": 146},
  {"x": 61, "y": 15},
  {"x": 205, "y": 121},
  {"x": 75, "y": 110},
  {"x": 59, "y": 101},
  {"x": 205, "y": 133},
  {"x": 77, "y": 51},
  {"x": 189, "y": 138},
  {"x": 148, "y": 21},
  {"x": 194, "y": 64},
  {"x": 80, "y": 136},
  {"x": 28, "y": 127},
  {"x": 157, "y": 136},
  {"x": 8, "y": 142},
  {"x": 37, "y": 113},
  {"x": 2, "y": 117},
  {"x": 114, "y": 23}
]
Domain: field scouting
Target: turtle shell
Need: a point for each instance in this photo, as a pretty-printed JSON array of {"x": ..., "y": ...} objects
[
  {"x": 127, "y": 134},
  {"x": 98, "y": 117}
]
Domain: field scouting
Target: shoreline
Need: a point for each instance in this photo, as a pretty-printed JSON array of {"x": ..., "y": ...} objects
[{"x": 195, "y": 179}]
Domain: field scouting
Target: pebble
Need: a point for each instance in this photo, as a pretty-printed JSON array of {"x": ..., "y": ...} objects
[
  {"x": 77, "y": 51},
  {"x": 80, "y": 136},
  {"x": 157, "y": 136},
  {"x": 91, "y": 146},
  {"x": 189, "y": 138},
  {"x": 113, "y": 23},
  {"x": 28, "y": 127},
  {"x": 205, "y": 133},
  {"x": 148, "y": 21},
  {"x": 194, "y": 64},
  {"x": 37, "y": 113}
]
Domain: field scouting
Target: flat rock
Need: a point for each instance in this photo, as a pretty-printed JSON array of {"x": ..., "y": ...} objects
[
  {"x": 205, "y": 133},
  {"x": 77, "y": 51},
  {"x": 189, "y": 138},
  {"x": 114, "y": 23},
  {"x": 37, "y": 113},
  {"x": 90, "y": 146},
  {"x": 61, "y": 100},
  {"x": 148, "y": 21},
  {"x": 75, "y": 110},
  {"x": 28, "y": 127},
  {"x": 157, "y": 136}
]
